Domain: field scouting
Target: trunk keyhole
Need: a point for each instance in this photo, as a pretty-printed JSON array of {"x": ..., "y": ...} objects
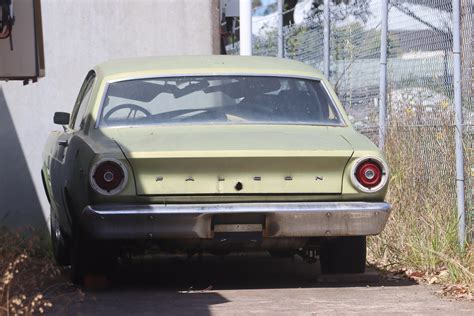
[{"x": 239, "y": 186}]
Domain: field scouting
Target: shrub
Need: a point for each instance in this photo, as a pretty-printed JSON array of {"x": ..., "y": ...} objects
[{"x": 25, "y": 268}]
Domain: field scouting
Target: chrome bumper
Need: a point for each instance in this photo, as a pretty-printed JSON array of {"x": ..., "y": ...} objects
[{"x": 309, "y": 219}]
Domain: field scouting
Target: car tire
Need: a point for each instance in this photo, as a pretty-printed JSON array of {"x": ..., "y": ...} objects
[
  {"x": 90, "y": 258},
  {"x": 343, "y": 255},
  {"x": 78, "y": 259},
  {"x": 58, "y": 242}
]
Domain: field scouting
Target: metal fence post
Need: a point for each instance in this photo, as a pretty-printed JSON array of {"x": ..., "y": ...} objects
[
  {"x": 383, "y": 75},
  {"x": 245, "y": 8},
  {"x": 280, "y": 29},
  {"x": 326, "y": 39},
  {"x": 459, "y": 122}
]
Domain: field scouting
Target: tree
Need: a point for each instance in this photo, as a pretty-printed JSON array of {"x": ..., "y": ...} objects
[
  {"x": 357, "y": 8},
  {"x": 256, "y": 3},
  {"x": 288, "y": 12},
  {"x": 360, "y": 9}
]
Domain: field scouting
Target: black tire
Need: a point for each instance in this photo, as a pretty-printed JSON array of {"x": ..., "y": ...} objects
[
  {"x": 90, "y": 258},
  {"x": 343, "y": 255},
  {"x": 59, "y": 242},
  {"x": 78, "y": 260}
]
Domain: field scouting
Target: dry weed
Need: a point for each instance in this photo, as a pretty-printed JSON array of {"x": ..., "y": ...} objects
[
  {"x": 421, "y": 234},
  {"x": 25, "y": 268}
]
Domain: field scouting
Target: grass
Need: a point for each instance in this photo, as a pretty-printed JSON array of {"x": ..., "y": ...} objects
[{"x": 421, "y": 234}]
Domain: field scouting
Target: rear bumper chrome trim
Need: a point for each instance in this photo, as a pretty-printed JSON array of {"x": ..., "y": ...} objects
[{"x": 295, "y": 219}]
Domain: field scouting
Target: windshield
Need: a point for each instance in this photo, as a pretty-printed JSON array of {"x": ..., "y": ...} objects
[{"x": 218, "y": 100}]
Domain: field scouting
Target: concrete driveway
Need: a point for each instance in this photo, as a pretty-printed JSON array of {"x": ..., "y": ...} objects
[{"x": 250, "y": 284}]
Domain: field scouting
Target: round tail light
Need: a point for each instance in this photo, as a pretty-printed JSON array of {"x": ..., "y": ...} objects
[
  {"x": 369, "y": 174},
  {"x": 108, "y": 176}
]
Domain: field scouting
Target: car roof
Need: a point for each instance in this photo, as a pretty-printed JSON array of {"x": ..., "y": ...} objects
[{"x": 204, "y": 65}]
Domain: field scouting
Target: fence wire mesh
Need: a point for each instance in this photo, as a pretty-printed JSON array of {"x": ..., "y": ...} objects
[{"x": 420, "y": 71}]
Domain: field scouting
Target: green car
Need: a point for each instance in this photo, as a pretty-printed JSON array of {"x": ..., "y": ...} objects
[{"x": 211, "y": 154}]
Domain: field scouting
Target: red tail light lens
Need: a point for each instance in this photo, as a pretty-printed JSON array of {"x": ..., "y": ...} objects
[
  {"x": 108, "y": 177},
  {"x": 369, "y": 174}
]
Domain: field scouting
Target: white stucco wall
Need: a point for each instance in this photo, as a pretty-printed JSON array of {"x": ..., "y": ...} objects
[{"x": 78, "y": 35}]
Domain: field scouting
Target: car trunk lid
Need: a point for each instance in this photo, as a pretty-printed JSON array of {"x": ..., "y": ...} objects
[{"x": 189, "y": 160}]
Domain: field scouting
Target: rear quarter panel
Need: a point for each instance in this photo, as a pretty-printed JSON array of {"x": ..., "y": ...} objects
[
  {"x": 49, "y": 153},
  {"x": 363, "y": 147}
]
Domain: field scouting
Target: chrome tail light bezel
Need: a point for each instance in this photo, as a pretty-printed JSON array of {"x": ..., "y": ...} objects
[
  {"x": 102, "y": 191},
  {"x": 384, "y": 169}
]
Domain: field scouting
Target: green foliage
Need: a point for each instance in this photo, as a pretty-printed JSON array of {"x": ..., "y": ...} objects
[{"x": 256, "y": 3}]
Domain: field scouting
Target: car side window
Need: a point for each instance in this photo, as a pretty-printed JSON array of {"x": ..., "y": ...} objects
[{"x": 77, "y": 118}]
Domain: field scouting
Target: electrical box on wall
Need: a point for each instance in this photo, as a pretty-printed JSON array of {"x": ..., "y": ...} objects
[{"x": 21, "y": 40}]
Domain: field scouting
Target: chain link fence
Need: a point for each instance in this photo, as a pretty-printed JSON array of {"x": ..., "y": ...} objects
[{"x": 420, "y": 71}]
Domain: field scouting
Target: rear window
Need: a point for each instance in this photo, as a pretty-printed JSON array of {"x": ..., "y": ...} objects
[{"x": 218, "y": 100}]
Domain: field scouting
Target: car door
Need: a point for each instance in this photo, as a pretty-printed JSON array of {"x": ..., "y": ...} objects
[{"x": 59, "y": 162}]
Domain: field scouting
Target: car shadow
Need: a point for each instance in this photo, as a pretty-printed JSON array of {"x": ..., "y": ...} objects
[
  {"x": 177, "y": 285},
  {"x": 237, "y": 271}
]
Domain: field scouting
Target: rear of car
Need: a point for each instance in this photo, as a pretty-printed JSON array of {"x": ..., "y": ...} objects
[{"x": 231, "y": 157}]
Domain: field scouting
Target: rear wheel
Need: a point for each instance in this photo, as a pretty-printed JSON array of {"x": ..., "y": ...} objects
[
  {"x": 90, "y": 258},
  {"x": 343, "y": 255},
  {"x": 58, "y": 242}
]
